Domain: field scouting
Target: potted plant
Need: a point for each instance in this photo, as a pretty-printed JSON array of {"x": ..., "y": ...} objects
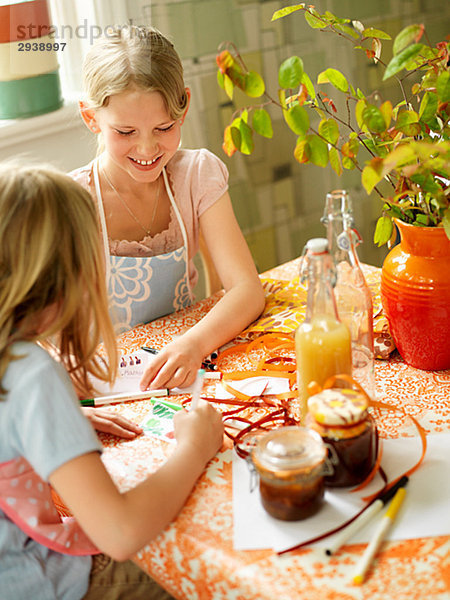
[{"x": 402, "y": 150}]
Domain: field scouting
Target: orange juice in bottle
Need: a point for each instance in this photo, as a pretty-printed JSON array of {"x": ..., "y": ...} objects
[{"x": 322, "y": 342}]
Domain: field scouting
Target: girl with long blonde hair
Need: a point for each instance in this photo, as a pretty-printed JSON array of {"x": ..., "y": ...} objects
[{"x": 53, "y": 314}]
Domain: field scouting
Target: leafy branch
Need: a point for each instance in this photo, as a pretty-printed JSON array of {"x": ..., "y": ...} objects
[{"x": 409, "y": 147}]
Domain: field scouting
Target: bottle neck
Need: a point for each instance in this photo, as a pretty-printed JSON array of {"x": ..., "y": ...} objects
[
  {"x": 321, "y": 279},
  {"x": 342, "y": 237}
]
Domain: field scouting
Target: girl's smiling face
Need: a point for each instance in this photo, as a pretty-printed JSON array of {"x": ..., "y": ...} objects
[{"x": 139, "y": 135}]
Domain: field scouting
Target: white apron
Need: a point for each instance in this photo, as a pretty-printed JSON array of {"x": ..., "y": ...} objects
[{"x": 142, "y": 289}]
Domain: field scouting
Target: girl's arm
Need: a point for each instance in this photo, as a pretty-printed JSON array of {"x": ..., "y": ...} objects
[
  {"x": 121, "y": 524},
  {"x": 243, "y": 302}
]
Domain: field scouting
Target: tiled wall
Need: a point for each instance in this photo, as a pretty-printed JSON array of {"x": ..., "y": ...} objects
[{"x": 279, "y": 202}]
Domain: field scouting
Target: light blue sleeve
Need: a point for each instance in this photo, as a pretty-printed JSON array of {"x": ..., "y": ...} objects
[{"x": 46, "y": 425}]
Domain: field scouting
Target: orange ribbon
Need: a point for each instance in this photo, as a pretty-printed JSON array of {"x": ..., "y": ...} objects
[{"x": 269, "y": 366}]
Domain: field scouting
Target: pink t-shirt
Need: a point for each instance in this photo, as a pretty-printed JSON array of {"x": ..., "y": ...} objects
[{"x": 198, "y": 178}]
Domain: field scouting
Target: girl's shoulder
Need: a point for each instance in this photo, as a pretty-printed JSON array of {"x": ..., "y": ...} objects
[
  {"x": 83, "y": 175},
  {"x": 34, "y": 355},
  {"x": 197, "y": 158},
  {"x": 194, "y": 166}
]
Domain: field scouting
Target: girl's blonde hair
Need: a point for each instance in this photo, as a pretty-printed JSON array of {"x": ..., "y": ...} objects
[
  {"x": 131, "y": 56},
  {"x": 50, "y": 256}
]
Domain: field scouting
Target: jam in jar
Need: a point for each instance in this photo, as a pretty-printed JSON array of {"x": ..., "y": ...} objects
[
  {"x": 290, "y": 463},
  {"x": 341, "y": 418}
]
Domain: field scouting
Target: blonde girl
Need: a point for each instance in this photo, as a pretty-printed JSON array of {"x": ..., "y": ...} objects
[
  {"x": 53, "y": 312},
  {"x": 155, "y": 200}
]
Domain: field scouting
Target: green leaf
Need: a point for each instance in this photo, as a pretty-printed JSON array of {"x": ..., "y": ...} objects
[
  {"x": 402, "y": 155},
  {"x": 262, "y": 123},
  {"x": 383, "y": 230},
  {"x": 220, "y": 79},
  {"x": 298, "y": 120},
  {"x": 254, "y": 85},
  {"x": 290, "y": 73},
  {"x": 406, "y": 37},
  {"x": 334, "y": 19},
  {"x": 228, "y": 144},
  {"x": 446, "y": 222},
  {"x": 347, "y": 163},
  {"x": 236, "y": 137},
  {"x": 422, "y": 219},
  {"x": 407, "y": 122},
  {"x": 314, "y": 22},
  {"x": 334, "y": 77},
  {"x": 247, "y": 144},
  {"x": 235, "y": 134},
  {"x": 318, "y": 151},
  {"x": 283, "y": 12},
  {"x": 369, "y": 178},
  {"x": 373, "y": 119},
  {"x": 426, "y": 182},
  {"x": 301, "y": 151},
  {"x": 306, "y": 80},
  {"x": 443, "y": 86},
  {"x": 335, "y": 161},
  {"x": 359, "y": 109},
  {"x": 370, "y": 32},
  {"x": 398, "y": 62},
  {"x": 360, "y": 94},
  {"x": 386, "y": 111},
  {"x": 229, "y": 86},
  {"x": 328, "y": 129},
  {"x": 428, "y": 107},
  {"x": 347, "y": 30},
  {"x": 353, "y": 146},
  {"x": 418, "y": 61}
]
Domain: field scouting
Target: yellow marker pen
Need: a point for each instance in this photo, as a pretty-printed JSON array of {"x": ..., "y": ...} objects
[{"x": 378, "y": 537}]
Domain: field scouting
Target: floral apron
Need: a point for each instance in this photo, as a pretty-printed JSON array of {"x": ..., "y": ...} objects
[
  {"x": 27, "y": 501},
  {"x": 142, "y": 289}
]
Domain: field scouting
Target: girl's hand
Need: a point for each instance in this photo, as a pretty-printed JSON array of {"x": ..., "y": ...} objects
[
  {"x": 110, "y": 422},
  {"x": 201, "y": 428},
  {"x": 176, "y": 365}
]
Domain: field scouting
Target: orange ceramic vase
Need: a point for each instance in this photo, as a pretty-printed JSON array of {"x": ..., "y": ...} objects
[{"x": 415, "y": 292}]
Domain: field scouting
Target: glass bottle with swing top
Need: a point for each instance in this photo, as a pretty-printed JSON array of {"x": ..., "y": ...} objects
[
  {"x": 352, "y": 294},
  {"x": 322, "y": 341}
]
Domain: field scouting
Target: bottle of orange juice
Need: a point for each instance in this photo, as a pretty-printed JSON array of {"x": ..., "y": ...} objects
[{"x": 322, "y": 342}]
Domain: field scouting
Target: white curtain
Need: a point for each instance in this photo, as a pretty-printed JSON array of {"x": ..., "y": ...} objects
[{"x": 79, "y": 23}]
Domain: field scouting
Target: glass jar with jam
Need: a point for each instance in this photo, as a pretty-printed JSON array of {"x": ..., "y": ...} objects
[
  {"x": 341, "y": 418},
  {"x": 290, "y": 462}
]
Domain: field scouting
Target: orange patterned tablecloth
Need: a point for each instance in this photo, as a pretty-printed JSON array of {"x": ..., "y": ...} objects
[{"x": 194, "y": 558}]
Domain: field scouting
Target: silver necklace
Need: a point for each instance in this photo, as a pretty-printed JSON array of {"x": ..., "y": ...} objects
[{"x": 147, "y": 231}]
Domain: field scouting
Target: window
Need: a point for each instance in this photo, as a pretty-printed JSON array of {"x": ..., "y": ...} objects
[{"x": 79, "y": 23}]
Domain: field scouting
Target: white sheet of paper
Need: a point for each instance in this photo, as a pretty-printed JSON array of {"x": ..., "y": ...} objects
[
  {"x": 424, "y": 513},
  {"x": 130, "y": 372},
  {"x": 254, "y": 386}
]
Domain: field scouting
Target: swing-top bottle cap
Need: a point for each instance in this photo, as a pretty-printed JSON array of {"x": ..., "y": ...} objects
[{"x": 317, "y": 245}]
